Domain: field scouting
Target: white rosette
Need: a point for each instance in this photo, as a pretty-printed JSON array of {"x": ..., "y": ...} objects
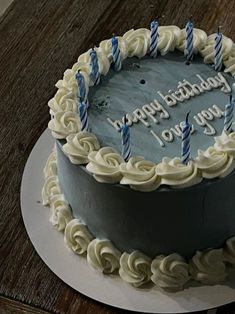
[
  {"x": 214, "y": 163},
  {"x": 63, "y": 101},
  {"x": 102, "y": 255},
  {"x": 140, "y": 174},
  {"x": 82, "y": 65},
  {"x": 77, "y": 236},
  {"x": 229, "y": 62},
  {"x": 50, "y": 168},
  {"x": 176, "y": 174},
  {"x": 60, "y": 212},
  {"x": 229, "y": 251},
  {"x": 68, "y": 84},
  {"x": 135, "y": 268},
  {"x": 208, "y": 52},
  {"x": 199, "y": 40},
  {"x": 226, "y": 143},
  {"x": 64, "y": 123},
  {"x": 137, "y": 42},
  {"x": 50, "y": 188},
  {"x": 170, "y": 272},
  {"x": 105, "y": 165},
  {"x": 106, "y": 46},
  {"x": 208, "y": 266},
  {"x": 79, "y": 146},
  {"x": 85, "y": 59},
  {"x": 168, "y": 38}
]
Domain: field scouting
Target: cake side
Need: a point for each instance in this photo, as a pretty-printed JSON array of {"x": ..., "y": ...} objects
[
  {"x": 160, "y": 222},
  {"x": 169, "y": 272}
]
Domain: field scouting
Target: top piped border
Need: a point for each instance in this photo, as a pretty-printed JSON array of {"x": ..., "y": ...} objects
[{"x": 105, "y": 163}]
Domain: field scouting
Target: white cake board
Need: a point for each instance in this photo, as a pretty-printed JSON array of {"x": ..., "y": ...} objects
[{"x": 75, "y": 271}]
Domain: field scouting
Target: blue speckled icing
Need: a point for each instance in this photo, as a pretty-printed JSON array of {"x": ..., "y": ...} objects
[{"x": 136, "y": 85}]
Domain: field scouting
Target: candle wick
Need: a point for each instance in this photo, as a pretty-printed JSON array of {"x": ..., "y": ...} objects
[
  {"x": 125, "y": 119},
  {"x": 187, "y": 116}
]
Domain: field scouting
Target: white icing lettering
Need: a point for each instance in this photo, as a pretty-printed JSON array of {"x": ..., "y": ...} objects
[
  {"x": 157, "y": 138},
  {"x": 167, "y": 135},
  {"x": 149, "y": 111},
  {"x": 116, "y": 124},
  {"x": 141, "y": 116},
  {"x": 213, "y": 83},
  {"x": 159, "y": 108},
  {"x": 216, "y": 111},
  {"x": 169, "y": 100},
  {"x": 177, "y": 130},
  {"x": 204, "y": 85},
  {"x": 178, "y": 96},
  {"x": 129, "y": 121},
  {"x": 207, "y": 115},
  {"x": 202, "y": 121},
  {"x": 225, "y": 85}
]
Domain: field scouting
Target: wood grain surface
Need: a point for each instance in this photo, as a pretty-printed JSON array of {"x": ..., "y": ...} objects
[{"x": 39, "y": 39}]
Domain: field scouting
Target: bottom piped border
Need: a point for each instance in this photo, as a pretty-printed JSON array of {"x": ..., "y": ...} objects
[{"x": 169, "y": 273}]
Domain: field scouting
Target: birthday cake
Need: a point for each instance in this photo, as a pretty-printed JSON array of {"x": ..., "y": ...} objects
[{"x": 141, "y": 179}]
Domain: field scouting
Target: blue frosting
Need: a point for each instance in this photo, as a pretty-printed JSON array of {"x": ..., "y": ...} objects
[{"x": 136, "y": 85}]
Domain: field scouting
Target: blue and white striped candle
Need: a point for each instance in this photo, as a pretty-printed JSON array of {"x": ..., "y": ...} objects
[
  {"x": 228, "y": 114},
  {"x": 81, "y": 86},
  {"x": 83, "y": 116},
  {"x": 126, "y": 146},
  {"x": 189, "y": 41},
  {"x": 218, "y": 50},
  {"x": 153, "y": 39},
  {"x": 94, "y": 65},
  {"x": 185, "y": 144},
  {"x": 117, "y": 63}
]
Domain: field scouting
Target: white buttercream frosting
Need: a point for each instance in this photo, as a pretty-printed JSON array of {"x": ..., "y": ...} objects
[
  {"x": 229, "y": 251},
  {"x": 214, "y": 163},
  {"x": 64, "y": 123},
  {"x": 102, "y": 255},
  {"x": 63, "y": 101},
  {"x": 168, "y": 37},
  {"x": 170, "y": 272},
  {"x": 50, "y": 168},
  {"x": 77, "y": 236},
  {"x": 79, "y": 145},
  {"x": 106, "y": 46},
  {"x": 140, "y": 174},
  {"x": 84, "y": 60},
  {"x": 137, "y": 42},
  {"x": 135, "y": 268},
  {"x": 176, "y": 174},
  {"x": 60, "y": 212},
  {"x": 105, "y": 165},
  {"x": 50, "y": 188},
  {"x": 208, "y": 266},
  {"x": 208, "y": 51},
  {"x": 68, "y": 85},
  {"x": 226, "y": 143},
  {"x": 199, "y": 40}
]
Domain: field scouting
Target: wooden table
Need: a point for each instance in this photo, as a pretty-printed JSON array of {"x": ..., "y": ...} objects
[{"x": 39, "y": 39}]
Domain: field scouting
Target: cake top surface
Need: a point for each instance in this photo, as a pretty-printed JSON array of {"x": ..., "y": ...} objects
[
  {"x": 155, "y": 95},
  {"x": 146, "y": 81}
]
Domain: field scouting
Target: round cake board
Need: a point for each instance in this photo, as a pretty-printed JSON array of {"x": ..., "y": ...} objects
[{"x": 75, "y": 271}]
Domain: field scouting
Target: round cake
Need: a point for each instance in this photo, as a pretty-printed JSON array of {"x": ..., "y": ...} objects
[{"x": 142, "y": 177}]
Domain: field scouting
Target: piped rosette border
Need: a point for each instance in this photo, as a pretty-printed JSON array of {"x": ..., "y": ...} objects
[
  {"x": 106, "y": 164},
  {"x": 170, "y": 273}
]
